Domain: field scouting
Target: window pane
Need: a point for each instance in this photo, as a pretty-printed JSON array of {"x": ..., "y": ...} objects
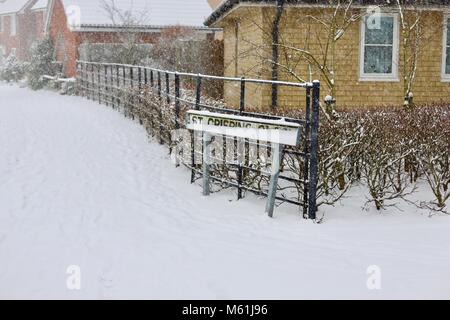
[
  {"x": 380, "y": 33},
  {"x": 377, "y": 59},
  {"x": 448, "y": 32},
  {"x": 447, "y": 61}
]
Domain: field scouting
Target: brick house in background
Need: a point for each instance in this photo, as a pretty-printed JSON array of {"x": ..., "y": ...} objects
[
  {"x": 72, "y": 23},
  {"x": 21, "y": 24},
  {"x": 39, "y": 11},
  {"x": 369, "y": 68},
  {"x": 214, "y": 3}
]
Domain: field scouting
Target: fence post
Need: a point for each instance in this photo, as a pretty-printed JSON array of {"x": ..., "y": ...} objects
[
  {"x": 99, "y": 83},
  {"x": 123, "y": 91},
  {"x": 106, "y": 96},
  {"x": 94, "y": 86},
  {"x": 198, "y": 92},
  {"x": 313, "y": 170},
  {"x": 131, "y": 77},
  {"x": 242, "y": 96},
  {"x": 140, "y": 81},
  {"x": 177, "y": 116},
  {"x": 93, "y": 82},
  {"x": 177, "y": 101},
  {"x": 240, "y": 173},
  {"x": 133, "y": 100},
  {"x": 145, "y": 78},
  {"x": 151, "y": 105},
  {"x": 140, "y": 94},
  {"x": 86, "y": 80},
  {"x": 167, "y": 88},
  {"x": 160, "y": 109},
  {"x": 159, "y": 85},
  {"x": 306, "y": 150},
  {"x": 90, "y": 77},
  {"x": 117, "y": 91},
  {"x": 168, "y": 107}
]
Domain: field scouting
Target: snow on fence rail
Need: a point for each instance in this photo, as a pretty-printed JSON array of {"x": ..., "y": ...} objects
[{"x": 160, "y": 99}]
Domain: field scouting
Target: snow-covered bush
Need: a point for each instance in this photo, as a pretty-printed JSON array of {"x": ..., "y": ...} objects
[
  {"x": 432, "y": 154},
  {"x": 12, "y": 69},
  {"x": 386, "y": 149},
  {"x": 42, "y": 56},
  {"x": 398, "y": 149}
]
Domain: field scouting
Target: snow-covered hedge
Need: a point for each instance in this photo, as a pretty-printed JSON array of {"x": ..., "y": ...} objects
[
  {"x": 12, "y": 69},
  {"x": 387, "y": 150}
]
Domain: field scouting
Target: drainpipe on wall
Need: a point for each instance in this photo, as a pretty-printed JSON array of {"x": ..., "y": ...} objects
[{"x": 275, "y": 37}]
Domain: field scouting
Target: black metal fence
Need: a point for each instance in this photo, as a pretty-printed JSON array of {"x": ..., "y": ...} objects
[{"x": 159, "y": 99}]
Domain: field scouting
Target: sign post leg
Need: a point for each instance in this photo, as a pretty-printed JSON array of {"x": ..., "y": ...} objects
[
  {"x": 206, "y": 152},
  {"x": 277, "y": 154}
]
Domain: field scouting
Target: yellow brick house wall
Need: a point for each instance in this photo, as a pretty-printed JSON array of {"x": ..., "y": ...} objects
[
  {"x": 241, "y": 58},
  {"x": 297, "y": 29}
]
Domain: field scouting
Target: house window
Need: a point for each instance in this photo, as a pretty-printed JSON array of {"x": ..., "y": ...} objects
[
  {"x": 13, "y": 25},
  {"x": 446, "y": 51},
  {"x": 2, "y": 54},
  {"x": 379, "y": 48},
  {"x": 13, "y": 52}
]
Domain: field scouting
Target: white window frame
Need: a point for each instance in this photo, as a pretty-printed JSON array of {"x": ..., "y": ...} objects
[
  {"x": 13, "y": 52},
  {"x": 445, "y": 77},
  {"x": 13, "y": 25},
  {"x": 391, "y": 77}
]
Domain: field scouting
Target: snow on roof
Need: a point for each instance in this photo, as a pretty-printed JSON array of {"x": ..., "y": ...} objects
[
  {"x": 226, "y": 6},
  {"x": 157, "y": 12},
  {"x": 41, "y": 4},
  {"x": 12, "y": 6}
]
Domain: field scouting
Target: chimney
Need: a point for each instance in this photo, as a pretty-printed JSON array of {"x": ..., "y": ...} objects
[{"x": 214, "y": 3}]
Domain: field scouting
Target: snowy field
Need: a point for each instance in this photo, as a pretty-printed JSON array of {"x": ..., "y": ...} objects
[{"x": 81, "y": 185}]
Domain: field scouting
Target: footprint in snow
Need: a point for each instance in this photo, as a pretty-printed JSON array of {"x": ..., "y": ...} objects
[{"x": 106, "y": 279}]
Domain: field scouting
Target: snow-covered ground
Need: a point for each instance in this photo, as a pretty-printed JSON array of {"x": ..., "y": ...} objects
[{"x": 81, "y": 185}]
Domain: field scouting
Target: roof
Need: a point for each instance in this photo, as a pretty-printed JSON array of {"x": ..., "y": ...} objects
[
  {"x": 157, "y": 12},
  {"x": 143, "y": 28},
  {"x": 41, "y": 4},
  {"x": 12, "y": 6},
  {"x": 228, "y": 5}
]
